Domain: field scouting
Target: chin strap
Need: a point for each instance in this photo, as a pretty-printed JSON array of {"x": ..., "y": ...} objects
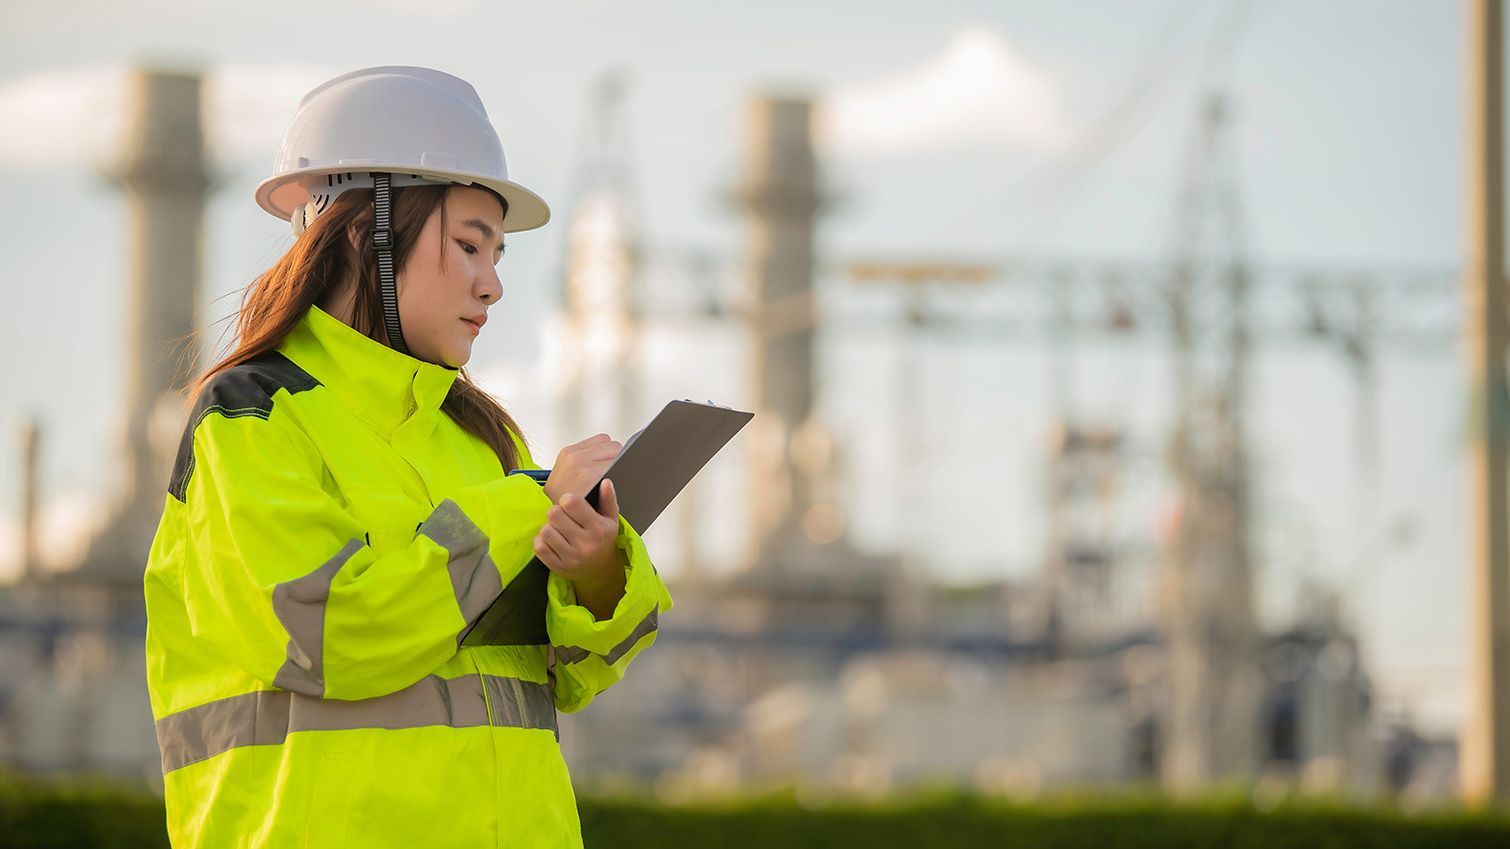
[{"x": 382, "y": 244}]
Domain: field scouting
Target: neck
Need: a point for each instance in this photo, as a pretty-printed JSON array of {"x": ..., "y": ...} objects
[
  {"x": 341, "y": 304},
  {"x": 341, "y": 301}
]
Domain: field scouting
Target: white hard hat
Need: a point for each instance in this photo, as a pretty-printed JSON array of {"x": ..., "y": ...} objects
[{"x": 420, "y": 125}]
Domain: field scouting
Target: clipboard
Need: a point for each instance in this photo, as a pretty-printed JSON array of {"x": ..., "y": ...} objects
[{"x": 655, "y": 464}]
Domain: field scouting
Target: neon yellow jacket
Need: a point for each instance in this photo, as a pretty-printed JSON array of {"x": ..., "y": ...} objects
[{"x": 328, "y": 535}]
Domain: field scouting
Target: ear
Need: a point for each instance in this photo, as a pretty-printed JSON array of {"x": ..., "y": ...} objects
[{"x": 354, "y": 235}]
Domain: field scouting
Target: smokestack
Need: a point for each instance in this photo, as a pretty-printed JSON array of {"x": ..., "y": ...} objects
[
  {"x": 31, "y": 561},
  {"x": 166, "y": 180},
  {"x": 781, "y": 194}
]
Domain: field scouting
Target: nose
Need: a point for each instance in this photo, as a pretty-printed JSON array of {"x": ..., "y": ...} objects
[{"x": 488, "y": 288}]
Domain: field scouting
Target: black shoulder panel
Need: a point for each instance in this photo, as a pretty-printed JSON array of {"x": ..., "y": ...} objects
[{"x": 243, "y": 390}]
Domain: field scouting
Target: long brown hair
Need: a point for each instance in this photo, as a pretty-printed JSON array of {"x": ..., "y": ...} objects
[{"x": 318, "y": 262}]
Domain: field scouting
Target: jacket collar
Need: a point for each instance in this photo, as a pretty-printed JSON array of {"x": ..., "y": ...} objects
[{"x": 380, "y": 385}]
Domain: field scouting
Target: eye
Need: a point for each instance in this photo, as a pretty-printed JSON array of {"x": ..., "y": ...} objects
[{"x": 467, "y": 246}]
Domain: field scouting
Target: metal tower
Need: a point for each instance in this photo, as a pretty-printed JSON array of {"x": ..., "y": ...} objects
[
  {"x": 1209, "y": 618},
  {"x": 599, "y": 342}
]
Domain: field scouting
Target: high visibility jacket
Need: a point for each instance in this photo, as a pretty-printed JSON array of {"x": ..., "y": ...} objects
[{"x": 327, "y": 536}]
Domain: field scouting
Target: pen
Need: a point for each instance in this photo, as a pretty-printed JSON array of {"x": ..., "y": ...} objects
[{"x": 537, "y": 475}]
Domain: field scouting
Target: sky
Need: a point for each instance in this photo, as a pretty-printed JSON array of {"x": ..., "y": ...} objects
[{"x": 968, "y": 129}]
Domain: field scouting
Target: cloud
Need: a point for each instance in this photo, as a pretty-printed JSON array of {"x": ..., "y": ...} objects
[
  {"x": 79, "y": 117},
  {"x": 68, "y": 117},
  {"x": 248, "y": 106},
  {"x": 977, "y": 93}
]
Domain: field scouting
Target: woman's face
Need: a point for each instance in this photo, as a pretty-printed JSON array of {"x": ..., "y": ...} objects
[{"x": 450, "y": 279}]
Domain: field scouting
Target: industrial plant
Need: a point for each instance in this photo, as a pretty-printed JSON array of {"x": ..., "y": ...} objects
[{"x": 1135, "y": 651}]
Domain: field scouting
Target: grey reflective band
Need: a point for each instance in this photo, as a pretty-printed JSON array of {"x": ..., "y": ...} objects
[
  {"x": 300, "y": 606},
  {"x": 574, "y": 654},
  {"x": 474, "y": 577},
  {"x": 520, "y": 704},
  {"x": 267, "y": 717}
]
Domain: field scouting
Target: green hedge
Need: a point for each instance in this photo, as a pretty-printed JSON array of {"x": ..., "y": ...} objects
[
  {"x": 85, "y": 815},
  {"x": 78, "y": 815},
  {"x": 964, "y": 821}
]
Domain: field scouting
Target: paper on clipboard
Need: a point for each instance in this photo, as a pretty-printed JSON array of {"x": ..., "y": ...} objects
[{"x": 655, "y": 464}]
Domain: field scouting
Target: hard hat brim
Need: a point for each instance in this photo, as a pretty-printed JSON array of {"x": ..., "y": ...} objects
[{"x": 281, "y": 194}]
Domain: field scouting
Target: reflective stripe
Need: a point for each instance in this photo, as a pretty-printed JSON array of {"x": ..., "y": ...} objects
[
  {"x": 474, "y": 577},
  {"x": 300, "y": 606},
  {"x": 574, "y": 654},
  {"x": 267, "y": 717},
  {"x": 521, "y": 704}
]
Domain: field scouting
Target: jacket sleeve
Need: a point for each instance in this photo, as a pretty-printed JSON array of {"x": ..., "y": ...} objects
[
  {"x": 281, "y": 579},
  {"x": 590, "y": 655}
]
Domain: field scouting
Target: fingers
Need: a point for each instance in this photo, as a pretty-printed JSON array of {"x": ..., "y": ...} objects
[
  {"x": 599, "y": 452},
  {"x": 547, "y": 554},
  {"x": 578, "y": 466},
  {"x": 594, "y": 440},
  {"x": 594, "y": 446},
  {"x": 564, "y": 549},
  {"x": 574, "y": 532},
  {"x": 574, "y": 512},
  {"x": 581, "y": 521},
  {"x": 608, "y": 501}
]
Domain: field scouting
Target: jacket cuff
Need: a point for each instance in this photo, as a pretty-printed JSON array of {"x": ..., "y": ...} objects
[{"x": 573, "y": 627}]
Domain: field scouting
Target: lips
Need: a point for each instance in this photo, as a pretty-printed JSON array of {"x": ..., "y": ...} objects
[{"x": 477, "y": 321}]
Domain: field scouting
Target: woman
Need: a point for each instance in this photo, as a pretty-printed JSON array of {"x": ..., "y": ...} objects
[{"x": 340, "y": 514}]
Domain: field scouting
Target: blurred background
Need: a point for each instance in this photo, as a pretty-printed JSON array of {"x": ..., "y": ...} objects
[{"x": 1113, "y": 399}]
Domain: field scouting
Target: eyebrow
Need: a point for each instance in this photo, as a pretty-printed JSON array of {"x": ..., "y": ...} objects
[{"x": 486, "y": 229}]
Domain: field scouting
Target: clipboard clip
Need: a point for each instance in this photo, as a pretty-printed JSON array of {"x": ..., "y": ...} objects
[{"x": 710, "y": 403}]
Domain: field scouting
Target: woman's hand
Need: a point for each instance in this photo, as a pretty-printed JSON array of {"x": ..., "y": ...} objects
[
  {"x": 580, "y": 466},
  {"x": 577, "y": 542}
]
